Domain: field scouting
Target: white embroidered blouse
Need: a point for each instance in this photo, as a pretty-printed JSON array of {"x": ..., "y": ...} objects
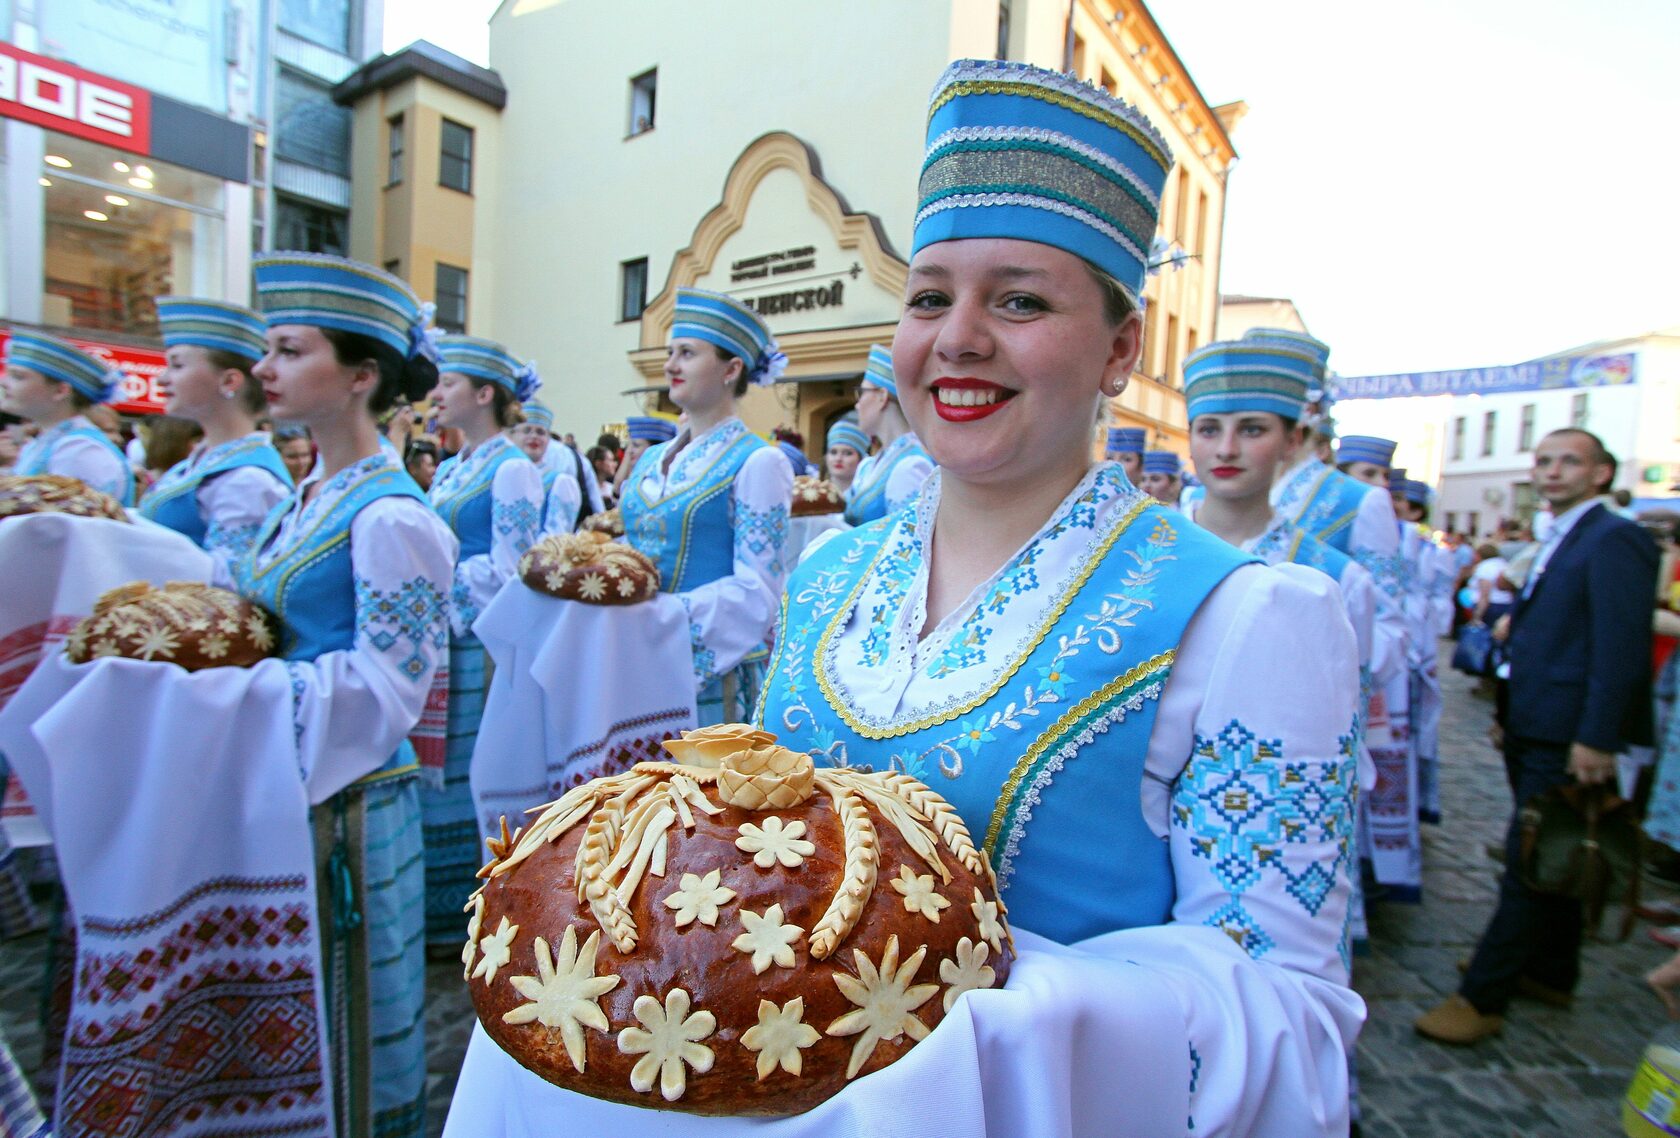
[{"x": 516, "y": 512}]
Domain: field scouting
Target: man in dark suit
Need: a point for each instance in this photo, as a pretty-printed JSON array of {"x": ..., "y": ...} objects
[{"x": 1579, "y": 693}]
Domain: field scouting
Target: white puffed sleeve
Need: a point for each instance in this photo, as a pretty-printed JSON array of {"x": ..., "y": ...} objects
[
  {"x": 906, "y": 480},
  {"x": 100, "y": 466},
  {"x": 1375, "y": 544},
  {"x": 352, "y": 708},
  {"x": 234, "y": 505},
  {"x": 565, "y": 498},
  {"x": 730, "y": 617},
  {"x": 1253, "y": 761},
  {"x": 516, "y": 511}
]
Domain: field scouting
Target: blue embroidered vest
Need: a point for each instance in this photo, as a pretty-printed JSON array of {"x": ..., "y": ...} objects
[
  {"x": 38, "y": 459},
  {"x": 1329, "y": 502},
  {"x": 468, "y": 506},
  {"x": 1058, "y": 742},
  {"x": 311, "y": 586},
  {"x": 869, "y": 499},
  {"x": 173, "y": 500},
  {"x": 690, "y": 533}
]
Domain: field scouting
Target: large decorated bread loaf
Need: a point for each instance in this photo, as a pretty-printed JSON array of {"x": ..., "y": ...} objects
[
  {"x": 55, "y": 494},
  {"x": 812, "y": 496},
  {"x": 186, "y": 623},
  {"x": 732, "y": 932},
  {"x": 589, "y": 567},
  {"x": 609, "y": 522}
]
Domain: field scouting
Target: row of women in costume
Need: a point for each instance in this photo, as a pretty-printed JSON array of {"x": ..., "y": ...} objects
[{"x": 1153, "y": 734}]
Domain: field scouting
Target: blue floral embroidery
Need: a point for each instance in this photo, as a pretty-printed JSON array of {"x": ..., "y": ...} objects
[
  {"x": 1195, "y": 1077},
  {"x": 234, "y": 541},
  {"x": 1389, "y": 573},
  {"x": 758, "y": 532},
  {"x": 705, "y": 660},
  {"x": 411, "y": 618},
  {"x": 520, "y": 517},
  {"x": 1242, "y": 804}
]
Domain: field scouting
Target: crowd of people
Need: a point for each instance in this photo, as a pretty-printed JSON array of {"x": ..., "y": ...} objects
[{"x": 1194, "y": 720}]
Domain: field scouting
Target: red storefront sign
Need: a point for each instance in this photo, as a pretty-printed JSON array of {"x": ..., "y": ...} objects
[
  {"x": 53, "y": 94},
  {"x": 139, "y": 367}
]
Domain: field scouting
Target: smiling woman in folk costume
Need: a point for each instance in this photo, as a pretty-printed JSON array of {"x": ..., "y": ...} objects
[
  {"x": 562, "y": 492},
  {"x": 220, "y": 494},
  {"x": 891, "y": 476},
  {"x": 710, "y": 507},
  {"x": 52, "y": 383},
  {"x": 358, "y": 569},
  {"x": 1086, "y": 676},
  {"x": 491, "y": 494},
  {"x": 846, "y": 448}
]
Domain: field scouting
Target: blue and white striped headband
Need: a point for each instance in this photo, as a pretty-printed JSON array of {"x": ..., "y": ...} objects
[
  {"x": 846, "y": 433},
  {"x": 1126, "y": 440},
  {"x": 488, "y": 361},
  {"x": 1415, "y": 492},
  {"x": 1246, "y": 375},
  {"x": 324, "y": 291},
  {"x": 1365, "y": 448},
  {"x": 1290, "y": 340},
  {"x": 538, "y": 413},
  {"x": 1019, "y": 152},
  {"x": 213, "y": 324},
  {"x": 90, "y": 376},
  {"x": 732, "y": 326},
  {"x": 878, "y": 372},
  {"x": 1161, "y": 462},
  {"x": 647, "y": 428}
]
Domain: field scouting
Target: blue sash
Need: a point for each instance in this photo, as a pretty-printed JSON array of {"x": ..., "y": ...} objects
[{"x": 173, "y": 500}]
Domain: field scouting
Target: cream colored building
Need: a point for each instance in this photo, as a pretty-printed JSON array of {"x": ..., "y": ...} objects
[
  {"x": 425, "y": 164},
  {"x": 1237, "y": 314},
  {"x": 770, "y": 149}
]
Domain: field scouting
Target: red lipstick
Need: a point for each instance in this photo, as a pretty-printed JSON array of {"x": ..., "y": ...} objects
[{"x": 965, "y": 399}]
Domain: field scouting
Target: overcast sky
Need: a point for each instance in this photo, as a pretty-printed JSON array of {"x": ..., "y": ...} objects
[{"x": 1437, "y": 184}]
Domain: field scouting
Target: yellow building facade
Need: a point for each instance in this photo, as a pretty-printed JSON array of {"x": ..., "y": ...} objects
[{"x": 764, "y": 149}]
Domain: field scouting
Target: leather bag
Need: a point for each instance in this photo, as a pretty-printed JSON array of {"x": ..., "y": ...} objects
[{"x": 1586, "y": 843}]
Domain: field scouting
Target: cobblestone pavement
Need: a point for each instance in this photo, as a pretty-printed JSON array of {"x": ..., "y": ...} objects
[{"x": 1553, "y": 1074}]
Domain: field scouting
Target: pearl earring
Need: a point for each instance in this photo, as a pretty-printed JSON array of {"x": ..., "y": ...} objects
[{"x": 228, "y": 394}]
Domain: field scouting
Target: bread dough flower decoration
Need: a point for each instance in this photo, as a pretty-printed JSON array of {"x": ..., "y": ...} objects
[
  {"x": 919, "y": 894},
  {"x": 496, "y": 951},
  {"x": 886, "y": 1002},
  {"x": 779, "y": 1036},
  {"x": 775, "y": 841},
  {"x": 565, "y": 993},
  {"x": 698, "y": 898},
  {"x": 966, "y": 971},
  {"x": 768, "y": 939},
  {"x": 668, "y": 1042},
  {"x": 708, "y": 746}
]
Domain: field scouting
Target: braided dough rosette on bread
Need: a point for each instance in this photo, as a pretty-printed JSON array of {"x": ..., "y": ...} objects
[
  {"x": 589, "y": 567},
  {"x": 22, "y": 494},
  {"x": 813, "y": 496},
  {"x": 609, "y": 522},
  {"x": 196, "y": 626},
  {"x": 731, "y": 932}
]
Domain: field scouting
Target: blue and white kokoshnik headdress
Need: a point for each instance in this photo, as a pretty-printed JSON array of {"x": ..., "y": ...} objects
[
  {"x": 846, "y": 433},
  {"x": 1161, "y": 462},
  {"x": 647, "y": 428},
  {"x": 878, "y": 372},
  {"x": 732, "y": 326},
  {"x": 538, "y": 413},
  {"x": 1126, "y": 440},
  {"x": 488, "y": 361},
  {"x": 215, "y": 324},
  {"x": 1365, "y": 448},
  {"x": 324, "y": 291},
  {"x": 1015, "y": 151},
  {"x": 90, "y": 376},
  {"x": 1246, "y": 375}
]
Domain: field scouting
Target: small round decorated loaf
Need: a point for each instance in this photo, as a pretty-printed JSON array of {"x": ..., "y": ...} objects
[
  {"x": 812, "y": 495},
  {"x": 186, "y": 623},
  {"x": 55, "y": 494},
  {"x": 609, "y": 522},
  {"x": 732, "y": 932},
  {"x": 589, "y": 567}
]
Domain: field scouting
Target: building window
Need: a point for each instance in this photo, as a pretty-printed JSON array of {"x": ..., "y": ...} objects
[
  {"x": 394, "y": 151},
  {"x": 326, "y": 22},
  {"x": 1181, "y": 210},
  {"x": 309, "y": 128},
  {"x": 310, "y": 227},
  {"x": 643, "y": 90},
  {"x": 1525, "y": 429},
  {"x": 632, "y": 289},
  {"x": 1490, "y": 428},
  {"x": 1172, "y": 378},
  {"x": 394, "y": 267},
  {"x": 1458, "y": 437},
  {"x": 108, "y": 246},
  {"x": 1578, "y": 410},
  {"x": 1076, "y": 63},
  {"x": 451, "y": 298},
  {"x": 456, "y": 157},
  {"x": 1109, "y": 83},
  {"x": 1003, "y": 29},
  {"x": 1473, "y": 523},
  {"x": 1452, "y": 522},
  {"x": 1201, "y": 222}
]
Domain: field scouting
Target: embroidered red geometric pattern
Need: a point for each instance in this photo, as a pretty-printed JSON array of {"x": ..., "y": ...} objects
[{"x": 198, "y": 1020}]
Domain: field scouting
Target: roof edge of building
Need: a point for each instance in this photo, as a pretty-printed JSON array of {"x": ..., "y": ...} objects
[{"x": 423, "y": 59}]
